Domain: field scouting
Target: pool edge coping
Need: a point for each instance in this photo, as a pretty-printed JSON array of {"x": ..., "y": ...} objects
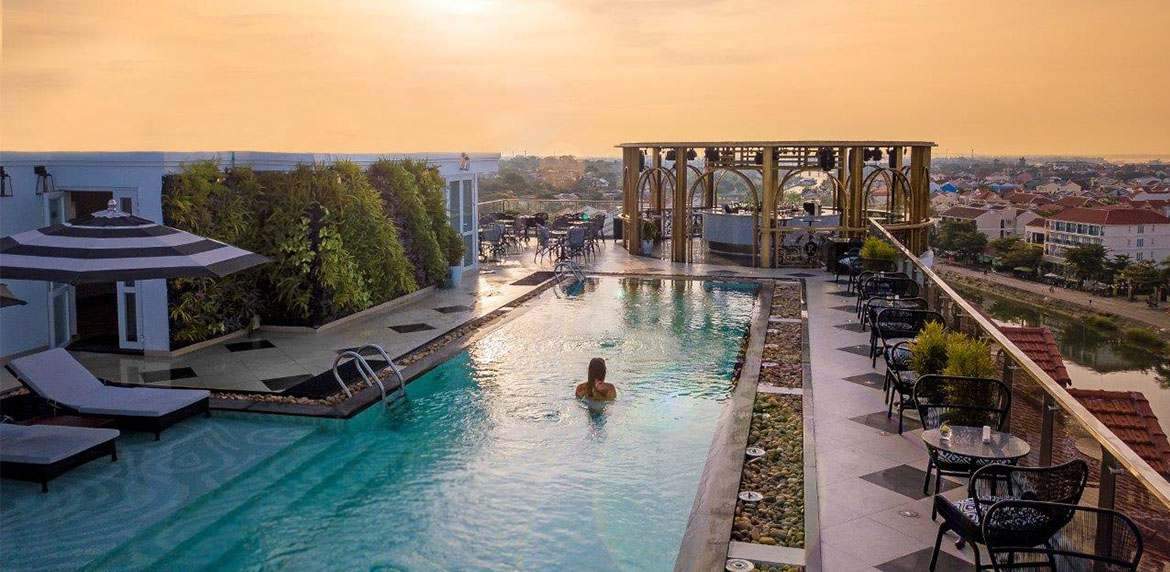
[{"x": 707, "y": 538}]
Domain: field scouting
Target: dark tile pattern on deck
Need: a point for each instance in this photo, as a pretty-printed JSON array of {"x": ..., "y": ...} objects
[
  {"x": 453, "y": 309},
  {"x": 408, "y": 328},
  {"x": 889, "y": 423},
  {"x": 167, "y": 374},
  {"x": 249, "y": 345},
  {"x": 874, "y": 380},
  {"x": 905, "y": 480},
  {"x": 853, "y": 327},
  {"x": 919, "y": 561},
  {"x": 859, "y": 349},
  {"x": 283, "y": 383}
]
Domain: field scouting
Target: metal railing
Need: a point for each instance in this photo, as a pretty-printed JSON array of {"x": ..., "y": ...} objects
[
  {"x": 551, "y": 206},
  {"x": 1057, "y": 426}
]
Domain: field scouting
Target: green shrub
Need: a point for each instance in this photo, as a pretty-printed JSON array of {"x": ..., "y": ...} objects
[
  {"x": 430, "y": 186},
  {"x": 360, "y": 259},
  {"x": 199, "y": 200},
  {"x": 969, "y": 357},
  {"x": 1099, "y": 322},
  {"x": 403, "y": 201},
  {"x": 875, "y": 248},
  {"x": 928, "y": 354},
  {"x": 1145, "y": 338}
]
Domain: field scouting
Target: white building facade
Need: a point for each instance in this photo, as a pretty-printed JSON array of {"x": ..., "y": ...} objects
[
  {"x": 52, "y": 188},
  {"x": 1137, "y": 233}
]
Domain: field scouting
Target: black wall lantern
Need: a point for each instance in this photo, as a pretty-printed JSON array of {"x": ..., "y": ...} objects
[
  {"x": 671, "y": 155},
  {"x": 826, "y": 159},
  {"x": 711, "y": 155},
  {"x": 691, "y": 155},
  {"x": 44, "y": 180},
  {"x": 5, "y": 183}
]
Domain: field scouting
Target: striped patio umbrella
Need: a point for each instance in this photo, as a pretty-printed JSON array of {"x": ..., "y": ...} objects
[
  {"x": 8, "y": 299},
  {"x": 111, "y": 246}
]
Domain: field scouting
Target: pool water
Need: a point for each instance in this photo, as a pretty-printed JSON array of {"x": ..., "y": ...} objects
[{"x": 491, "y": 463}]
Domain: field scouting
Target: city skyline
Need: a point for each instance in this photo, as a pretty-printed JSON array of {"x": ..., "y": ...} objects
[{"x": 1038, "y": 78}]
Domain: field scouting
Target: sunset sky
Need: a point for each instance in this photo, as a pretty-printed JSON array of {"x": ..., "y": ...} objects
[{"x": 999, "y": 77}]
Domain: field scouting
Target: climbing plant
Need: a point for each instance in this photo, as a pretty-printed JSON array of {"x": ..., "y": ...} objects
[{"x": 339, "y": 239}]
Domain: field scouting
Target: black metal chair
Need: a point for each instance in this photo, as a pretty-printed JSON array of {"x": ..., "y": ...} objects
[
  {"x": 993, "y": 484},
  {"x": 1116, "y": 541},
  {"x": 883, "y": 285},
  {"x": 892, "y": 325},
  {"x": 970, "y": 401},
  {"x": 899, "y": 381},
  {"x": 876, "y": 304}
]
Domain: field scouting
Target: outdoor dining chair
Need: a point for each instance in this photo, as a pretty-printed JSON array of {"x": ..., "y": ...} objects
[
  {"x": 993, "y": 484},
  {"x": 1116, "y": 542},
  {"x": 891, "y": 325},
  {"x": 899, "y": 380},
  {"x": 881, "y": 285},
  {"x": 956, "y": 400},
  {"x": 575, "y": 243},
  {"x": 876, "y": 304}
]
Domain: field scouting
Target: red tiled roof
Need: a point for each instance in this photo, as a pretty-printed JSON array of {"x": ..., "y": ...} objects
[
  {"x": 963, "y": 212},
  {"x": 1129, "y": 416},
  {"x": 1120, "y": 215},
  {"x": 1038, "y": 221},
  {"x": 1040, "y": 345}
]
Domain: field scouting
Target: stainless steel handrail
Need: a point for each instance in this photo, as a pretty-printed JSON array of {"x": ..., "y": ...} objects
[
  {"x": 1122, "y": 453},
  {"x": 367, "y": 371}
]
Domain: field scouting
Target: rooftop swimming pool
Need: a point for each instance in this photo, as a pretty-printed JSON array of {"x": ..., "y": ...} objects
[{"x": 489, "y": 464}]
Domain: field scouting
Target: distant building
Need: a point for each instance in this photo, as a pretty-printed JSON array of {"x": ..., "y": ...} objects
[
  {"x": 1140, "y": 234},
  {"x": 991, "y": 222}
]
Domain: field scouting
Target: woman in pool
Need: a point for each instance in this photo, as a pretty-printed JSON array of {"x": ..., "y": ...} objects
[{"x": 595, "y": 388}]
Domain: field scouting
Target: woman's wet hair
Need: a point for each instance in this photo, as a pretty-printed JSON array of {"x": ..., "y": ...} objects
[{"x": 596, "y": 369}]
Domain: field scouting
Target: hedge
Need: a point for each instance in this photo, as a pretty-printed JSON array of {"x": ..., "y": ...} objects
[{"x": 341, "y": 240}]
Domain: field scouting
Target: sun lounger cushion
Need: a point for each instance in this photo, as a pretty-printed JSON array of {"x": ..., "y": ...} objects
[
  {"x": 57, "y": 376},
  {"x": 48, "y": 444}
]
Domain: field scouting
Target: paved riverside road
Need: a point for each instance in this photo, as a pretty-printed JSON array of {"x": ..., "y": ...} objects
[{"x": 1137, "y": 311}]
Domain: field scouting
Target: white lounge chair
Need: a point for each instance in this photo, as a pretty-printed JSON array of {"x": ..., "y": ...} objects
[
  {"x": 40, "y": 453},
  {"x": 59, "y": 378}
]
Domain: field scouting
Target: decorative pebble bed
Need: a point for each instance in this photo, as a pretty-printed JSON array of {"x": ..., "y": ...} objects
[
  {"x": 777, "y": 427},
  {"x": 778, "y": 519}
]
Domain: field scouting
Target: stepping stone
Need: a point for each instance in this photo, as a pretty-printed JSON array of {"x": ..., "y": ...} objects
[
  {"x": 249, "y": 345},
  {"x": 167, "y": 374},
  {"x": 408, "y": 328}
]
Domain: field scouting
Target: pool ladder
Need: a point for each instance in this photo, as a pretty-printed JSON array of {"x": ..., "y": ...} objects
[
  {"x": 569, "y": 268},
  {"x": 367, "y": 371}
]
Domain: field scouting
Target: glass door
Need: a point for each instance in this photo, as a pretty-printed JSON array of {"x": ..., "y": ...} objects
[
  {"x": 461, "y": 210},
  {"x": 129, "y": 318},
  {"x": 60, "y": 295},
  {"x": 129, "y": 302}
]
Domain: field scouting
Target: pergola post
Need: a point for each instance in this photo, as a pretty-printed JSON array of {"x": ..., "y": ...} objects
[
  {"x": 841, "y": 201},
  {"x": 630, "y": 173},
  {"x": 656, "y": 200},
  {"x": 896, "y": 166},
  {"x": 857, "y": 206},
  {"x": 679, "y": 208},
  {"x": 768, "y": 212},
  {"x": 919, "y": 198},
  {"x": 708, "y": 185}
]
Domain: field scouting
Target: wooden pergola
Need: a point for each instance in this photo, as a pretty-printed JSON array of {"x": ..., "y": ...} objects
[{"x": 852, "y": 167}]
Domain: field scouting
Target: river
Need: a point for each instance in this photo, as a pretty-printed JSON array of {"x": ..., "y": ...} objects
[{"x": 1094, "y": 359}]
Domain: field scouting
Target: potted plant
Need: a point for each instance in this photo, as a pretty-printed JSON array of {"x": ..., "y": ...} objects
[
  {"x": 969, "y": 357},
  {"x": 928, "y": 355},
  {"x": 650, "y": 235},
  {"x": 877, "y": 255},
  {"x": 453, "y": 248}
]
